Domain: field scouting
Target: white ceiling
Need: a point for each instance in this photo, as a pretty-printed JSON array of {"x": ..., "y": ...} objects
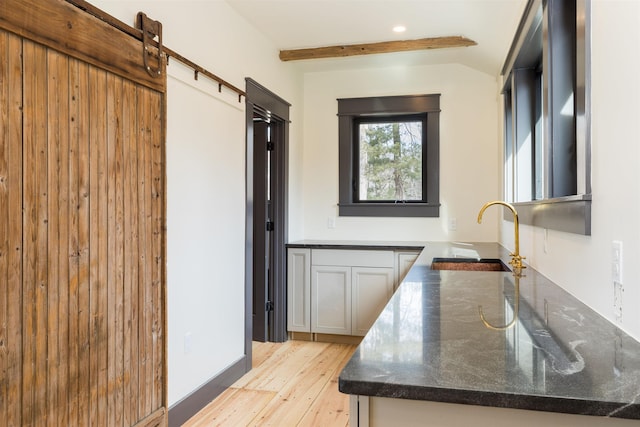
[{"x": 293, "y": 24}]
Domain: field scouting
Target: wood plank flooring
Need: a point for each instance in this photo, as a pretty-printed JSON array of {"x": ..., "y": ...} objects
[{"x": 291, "y": 384}]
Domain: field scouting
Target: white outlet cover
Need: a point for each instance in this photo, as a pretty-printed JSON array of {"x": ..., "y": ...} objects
[
  {"x": 616, "y": 261},
  {"x": 618, "y": 291}
]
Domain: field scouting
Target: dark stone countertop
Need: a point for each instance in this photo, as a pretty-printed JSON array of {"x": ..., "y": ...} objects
[
  {"x": 356, "y": 244},
  {"x": 429, "y": 343}
]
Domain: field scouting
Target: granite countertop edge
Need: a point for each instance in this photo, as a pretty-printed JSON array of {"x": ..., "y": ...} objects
[
  {"x": 493, "y": 399},
  {"x": 357, "y": 245}
]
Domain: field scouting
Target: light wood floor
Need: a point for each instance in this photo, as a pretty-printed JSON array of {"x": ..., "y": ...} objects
[{"x": 291, "y": 384}]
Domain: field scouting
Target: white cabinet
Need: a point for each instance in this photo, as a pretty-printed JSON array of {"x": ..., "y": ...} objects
[
  {"x": 331, "y": 299},
  {"x": 299, "y": 290},
  {"x": 366, "y": 411},
  {"x": 347, "y": 300},
  {"x": 337, "y": 291},
  {"x": 404, "y": 261},
  {"x": 371, "y": 288}
]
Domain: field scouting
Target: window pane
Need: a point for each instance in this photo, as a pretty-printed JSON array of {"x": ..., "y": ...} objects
[
  {"x": 390, "y": 161},
  {"x": 509, "y": 158},
  {"x": 539, "y": 192}
]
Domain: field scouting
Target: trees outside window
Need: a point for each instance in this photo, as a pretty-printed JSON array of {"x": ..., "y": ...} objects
[{"x": 390, "y": 160}]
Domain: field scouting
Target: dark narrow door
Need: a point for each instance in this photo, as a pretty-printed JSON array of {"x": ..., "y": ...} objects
[
  {"x": 267, "y": 157},
  {"x": 262, "y": 230}
]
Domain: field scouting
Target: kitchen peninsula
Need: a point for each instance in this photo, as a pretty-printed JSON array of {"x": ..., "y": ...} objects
[{"x": 430, "y": 360}]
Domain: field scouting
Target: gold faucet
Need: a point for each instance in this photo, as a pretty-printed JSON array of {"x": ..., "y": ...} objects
[{"x": 516, "y": 258}]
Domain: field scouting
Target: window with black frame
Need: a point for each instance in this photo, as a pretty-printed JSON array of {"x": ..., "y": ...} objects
[
  {"x": 389, "y": 156},
  {"x": 546, "y": 102}
]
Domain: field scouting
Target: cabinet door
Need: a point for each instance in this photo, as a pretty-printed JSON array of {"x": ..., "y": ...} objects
[
  {"x": 331, "y": 299},
  {"x": 404, "y": 261},
  {"x": 372, "y": 288},
  {"x": 299, "y": 290}
]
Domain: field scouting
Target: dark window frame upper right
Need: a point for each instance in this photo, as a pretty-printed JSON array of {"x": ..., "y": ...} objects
[{"x": 562, "y": 47}]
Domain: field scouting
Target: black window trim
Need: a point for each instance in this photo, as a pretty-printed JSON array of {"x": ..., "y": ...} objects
[
  {"x": 352, "y": 109},
  {"x": 571, "y": 213}
]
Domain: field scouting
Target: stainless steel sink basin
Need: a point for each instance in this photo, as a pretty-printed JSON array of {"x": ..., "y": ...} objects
[{"x": 468, "y": 264}]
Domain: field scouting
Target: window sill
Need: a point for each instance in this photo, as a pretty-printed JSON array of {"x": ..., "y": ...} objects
[
  {"x": 390, "y": 209},
  {"x": 570, "y": 214}
]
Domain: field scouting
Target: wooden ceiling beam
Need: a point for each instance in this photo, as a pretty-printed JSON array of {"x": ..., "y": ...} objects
[{"x": 373, "y": 48}]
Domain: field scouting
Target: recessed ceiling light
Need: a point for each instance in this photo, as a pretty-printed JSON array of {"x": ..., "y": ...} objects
[{"x": 399, "y": 29}]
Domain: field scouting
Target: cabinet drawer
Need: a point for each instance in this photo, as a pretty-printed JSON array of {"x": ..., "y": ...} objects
[{"x": 352, "y": 258}]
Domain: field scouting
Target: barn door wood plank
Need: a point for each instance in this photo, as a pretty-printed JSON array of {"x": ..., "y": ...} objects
[
  {"x": 10, "y": 228},
  {"x": 99, "y": 247},
  {"x": 41, "y": 219},
  {"x": 84, "y": 240},
  {"x": 130, "y": 413},
  {"x": 157, "y": 171},
  {"x": 79, "y": 134},
  {"x": 58, "y": 265},
  {"x": 35, "y": 284},
  {"x": 97, "y": 107},
  {"x": 113, "y": 125},
  {"x": 71, "y": 252},
  {"x": 5, "y": 208},
  {"x": 118, "y": 262},
  {"x": 145, "y": 125},
  {"x": 133, "y": 257},
  {"x": 143, "y": 255}
]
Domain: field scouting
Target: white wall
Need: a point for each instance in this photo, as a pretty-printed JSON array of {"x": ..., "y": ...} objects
[
  {"x": 582, "y": 264},
  {"x": 469, "y": 162},
  {"x": 206, "y": 178},
  {"x": 205, "y": 250}
]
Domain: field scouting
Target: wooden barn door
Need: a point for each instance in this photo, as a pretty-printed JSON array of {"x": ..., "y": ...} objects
[{"x": 82, "y": 218}]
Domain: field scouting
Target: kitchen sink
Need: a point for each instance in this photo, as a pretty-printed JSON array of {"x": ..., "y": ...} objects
[{"x": 468, "y": 264}]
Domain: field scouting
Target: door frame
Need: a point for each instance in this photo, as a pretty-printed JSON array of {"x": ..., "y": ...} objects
[{"x": 260, "y": 98}]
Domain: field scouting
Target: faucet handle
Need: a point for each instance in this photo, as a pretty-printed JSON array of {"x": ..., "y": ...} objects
[{"x": 516, "y": 261}]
